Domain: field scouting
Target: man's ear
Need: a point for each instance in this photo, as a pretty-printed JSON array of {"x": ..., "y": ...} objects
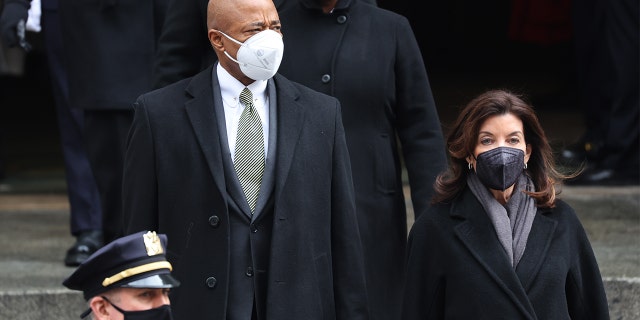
[
  {"x": 99, "y": 309},
  {"x": 215, "y": 38}
]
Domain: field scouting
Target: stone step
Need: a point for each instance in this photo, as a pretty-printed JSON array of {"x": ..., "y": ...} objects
[{"x": 34, "y": 235}]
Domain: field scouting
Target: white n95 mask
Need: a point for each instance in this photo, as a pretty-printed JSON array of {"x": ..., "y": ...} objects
[{"x": 259, "y": 56}]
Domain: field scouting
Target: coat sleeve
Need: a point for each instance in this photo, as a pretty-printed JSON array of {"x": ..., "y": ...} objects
[
  {"x": 139, "y": 178},
  {"x": 586, "y": 297},
  {"x": 348, "y": 259},
  {"x": 419, "y": 128},
  {"x": 183, "y": 47}
]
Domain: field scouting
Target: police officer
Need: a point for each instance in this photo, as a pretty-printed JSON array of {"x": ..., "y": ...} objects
[{"x": 128, "y": 278}]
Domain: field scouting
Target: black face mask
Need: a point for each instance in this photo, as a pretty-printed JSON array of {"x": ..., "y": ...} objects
[
  {"x": 499, "y": 168},
  {"x": 160, "y": 313}
]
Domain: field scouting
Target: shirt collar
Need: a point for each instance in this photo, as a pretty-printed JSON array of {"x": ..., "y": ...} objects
[{"x": 230, "y": 87}]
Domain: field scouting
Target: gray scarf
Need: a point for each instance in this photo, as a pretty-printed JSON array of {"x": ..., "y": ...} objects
[{"x": 512, "y": 221}]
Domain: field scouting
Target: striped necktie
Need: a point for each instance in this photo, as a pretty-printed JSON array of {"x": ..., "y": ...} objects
[{"x": 249, "y": 156}]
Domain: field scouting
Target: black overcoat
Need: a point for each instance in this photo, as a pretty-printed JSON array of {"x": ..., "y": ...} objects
[
  {"x": 457, "y": 268},
  {"x": 369, "y": 59},
  {"x": 174, "y": 182}
]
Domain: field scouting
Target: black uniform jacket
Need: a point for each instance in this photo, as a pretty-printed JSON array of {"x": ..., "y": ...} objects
[
  {"x": 457, "y": 268},
  {"x": 174, "y": 182}
]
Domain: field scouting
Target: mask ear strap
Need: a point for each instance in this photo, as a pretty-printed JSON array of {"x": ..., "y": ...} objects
[
  {"x": 232, "y": 39},
  {"x": 111, "y": 303},
  {"x": 230, "y": 57}
]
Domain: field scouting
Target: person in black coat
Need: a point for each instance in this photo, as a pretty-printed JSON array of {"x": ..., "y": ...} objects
[
  {"x": 109, "y": 47},
  {"x": 497, "y": 243},
  {"x": 292, "y": 253},
  {"x": 369, "y": 59},
  {"x": 84, "y": 199}
]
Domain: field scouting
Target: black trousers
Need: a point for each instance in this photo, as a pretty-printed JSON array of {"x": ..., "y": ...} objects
[
  {"x": 105, "y": 137},
  {"x": 84, "y": 199}
]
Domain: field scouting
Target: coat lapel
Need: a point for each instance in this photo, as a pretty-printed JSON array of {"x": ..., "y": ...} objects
[
  {"x": 200, "y": 110},
  {"x": 478, "y": 235},
  {"x": 537, "y": 248},
  {"x": 202, "y": 115},
  {"x": 290, "y": 123}
]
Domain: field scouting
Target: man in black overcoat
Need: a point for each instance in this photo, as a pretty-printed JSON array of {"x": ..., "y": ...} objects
[{"x": 297, "y": 254}]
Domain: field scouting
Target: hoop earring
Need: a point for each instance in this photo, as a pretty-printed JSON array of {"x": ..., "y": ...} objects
[
  {"x": 471, "y": 166},
  {"x": 525, "y": 166}
]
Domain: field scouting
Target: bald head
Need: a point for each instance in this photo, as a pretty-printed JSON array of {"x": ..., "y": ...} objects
[
  {"x": 221, "y": 13},
  {"x": 216, "y": 10}
]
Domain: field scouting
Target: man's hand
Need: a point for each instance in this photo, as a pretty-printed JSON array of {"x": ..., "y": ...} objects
[{"x": 14, "y": 11}]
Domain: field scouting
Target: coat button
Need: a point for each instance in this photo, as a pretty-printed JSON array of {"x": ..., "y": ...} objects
[
  {"x": 326, "y": 78},
  {"x": 253, "y": 228},
  {"x": 249, "y": 272},
  {"x": 342, "y": 19},
  {"x": 214, "y": 221},
  {"x": 211, "y": 282}
]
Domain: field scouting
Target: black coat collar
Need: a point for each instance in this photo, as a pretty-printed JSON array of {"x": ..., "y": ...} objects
[{"x": 478, "y": 234}]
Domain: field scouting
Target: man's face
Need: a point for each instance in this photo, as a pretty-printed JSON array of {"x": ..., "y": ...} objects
[
  {"x": 240, "y": 20},
  {"x": 127, "y": 299}
]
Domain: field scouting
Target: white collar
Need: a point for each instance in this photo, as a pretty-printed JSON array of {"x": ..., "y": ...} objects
[{"x": 231, "y": 87}]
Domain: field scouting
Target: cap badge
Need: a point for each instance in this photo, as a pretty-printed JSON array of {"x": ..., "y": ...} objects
[{"x": 152, "y": 243}]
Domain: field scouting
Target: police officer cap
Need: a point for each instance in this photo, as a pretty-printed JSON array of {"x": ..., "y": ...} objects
[{"x": 134, "y": 261}]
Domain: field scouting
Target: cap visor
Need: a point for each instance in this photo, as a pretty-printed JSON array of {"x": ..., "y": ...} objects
[{"x": 154, "y": 281}]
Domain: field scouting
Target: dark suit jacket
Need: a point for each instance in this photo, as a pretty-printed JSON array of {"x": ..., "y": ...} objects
[
  {"x": 175, "y": 183},
  {"x": 109, "y": 46},
  {"x": 457, "y": 268}
]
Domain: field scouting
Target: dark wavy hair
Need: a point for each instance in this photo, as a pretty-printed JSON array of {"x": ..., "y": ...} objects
[{"x": 463, "y": 137}]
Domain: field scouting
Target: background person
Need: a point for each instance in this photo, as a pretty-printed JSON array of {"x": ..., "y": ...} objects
[
  {"x": 291, "y": 248},
  {"x": 607, "y": 51},
  {"x": 497, "y": 243},
  {"x": 108, "y": 47},
  {"x": 389, "y": 116},
  {"x": 129, "y": 278},
  {"x": 84, "y": 199}
]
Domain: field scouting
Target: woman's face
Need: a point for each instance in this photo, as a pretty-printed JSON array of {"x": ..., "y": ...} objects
[{"x": 505, "y": 130}]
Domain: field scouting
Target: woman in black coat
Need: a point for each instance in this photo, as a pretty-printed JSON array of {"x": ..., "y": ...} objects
[{"x": 497, "y": 244}]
